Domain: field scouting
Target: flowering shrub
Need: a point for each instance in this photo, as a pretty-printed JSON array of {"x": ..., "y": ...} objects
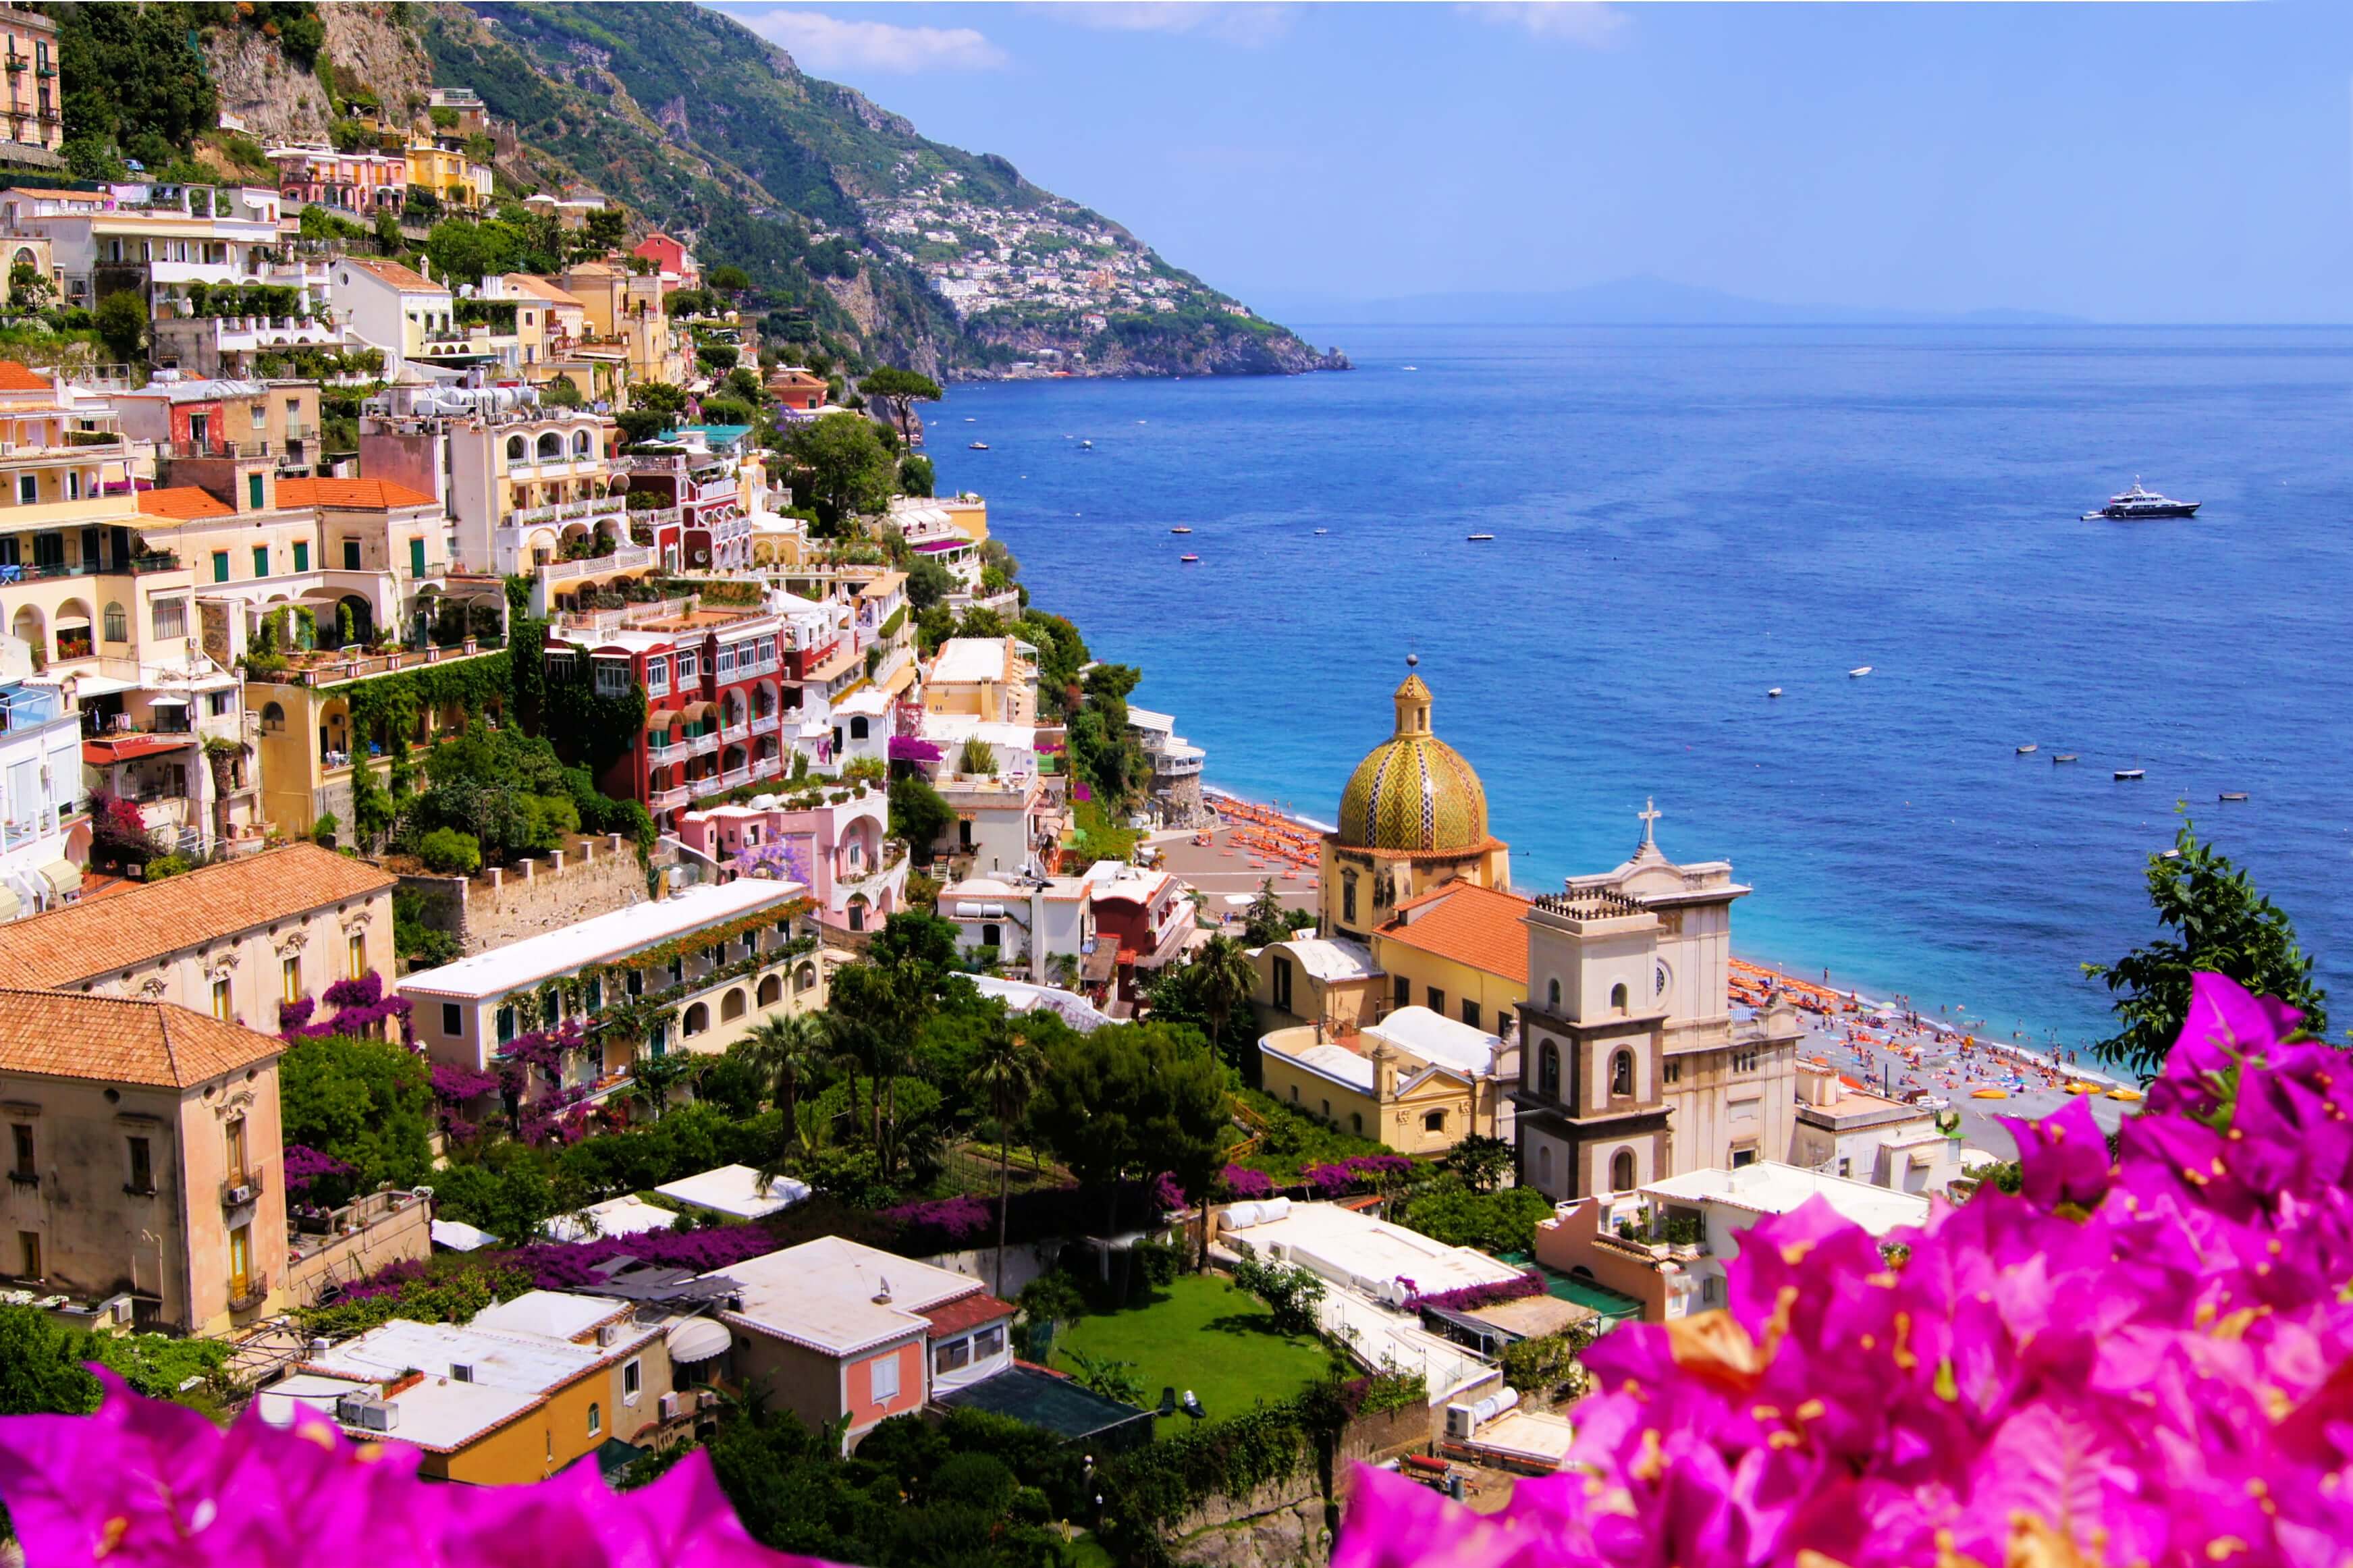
[
  {"x": 1466, "y": 1298},
  {"x": 783, "y": 862},
  {"x": 1244, "y": 1184},
  {"x": 292, "y": 1016},
  {"x": 360, "y": 1006},
  {"x": 946, "y": 1224},
  {"x": 144, "y": 1483},
  {"x": 2148, "y": 1361},
  {"x": 305, "y": 1165},
  {"x": 1167, "y": 1193},
  {"x": 570, "y": 1265},
  {"x": 454, "y": 1085},
  {"x": 1355, "y": 1172}
]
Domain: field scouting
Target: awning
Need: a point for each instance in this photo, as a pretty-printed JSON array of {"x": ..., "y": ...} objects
[
  {"x": 697, "y": 1339},
  {"x": 11, "y": 906},
  {"x": 63, "y": 877},
  {"x": 458, "y": 1236},
  {"x": 88, "y": 685},
  {"x": 167, "y": 701},
  {"x": 106, "y": 753}
]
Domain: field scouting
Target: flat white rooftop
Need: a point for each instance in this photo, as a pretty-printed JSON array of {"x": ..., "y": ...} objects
[
  {"x": 627, "y": 1216},
  {"x": 599, "y": 939},
  {"x": 823, "y": 1294},
  {"x": 1771, "y": 1187},
  {"x": 1372, "y": 1256},
  {"x": 974, "y": 660},
  {"x": 437, "y": 1414},
  {"x": 735, "y": 1190},
  {"x": 554, "y": 1314},
  {"x": 1332, "y": 958},
  {"x": 1438, "y": 1039}
]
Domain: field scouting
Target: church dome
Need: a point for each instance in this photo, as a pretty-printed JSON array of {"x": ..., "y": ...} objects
[{"x": 1413, "y": 793}]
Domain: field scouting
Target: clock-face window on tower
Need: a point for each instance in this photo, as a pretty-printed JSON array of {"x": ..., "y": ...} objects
[{"x": 1659, "y": 981}]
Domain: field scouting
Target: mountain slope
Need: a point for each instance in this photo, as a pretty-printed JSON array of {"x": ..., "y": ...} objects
[{"x": 920, "y": 253}]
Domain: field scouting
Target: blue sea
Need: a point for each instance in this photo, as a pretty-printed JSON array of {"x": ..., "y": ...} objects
[{"x": 1686, "y": 518}]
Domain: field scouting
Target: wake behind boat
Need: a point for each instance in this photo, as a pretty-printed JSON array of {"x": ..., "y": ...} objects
[{"x": 2137, "y": 505}]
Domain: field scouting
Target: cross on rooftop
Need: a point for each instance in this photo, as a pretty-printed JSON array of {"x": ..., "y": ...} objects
[{"x": 1650, "y": 816}]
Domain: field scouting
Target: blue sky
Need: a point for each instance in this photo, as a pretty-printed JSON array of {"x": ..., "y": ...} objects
[{"x": 2149, "y": 163}]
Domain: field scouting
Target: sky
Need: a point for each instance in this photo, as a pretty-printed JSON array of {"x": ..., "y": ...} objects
[{"x": 2118, "y": 162}]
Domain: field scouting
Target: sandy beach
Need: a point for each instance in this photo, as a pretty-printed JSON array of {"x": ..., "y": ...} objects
[{"x": 1877, "y": 1045}]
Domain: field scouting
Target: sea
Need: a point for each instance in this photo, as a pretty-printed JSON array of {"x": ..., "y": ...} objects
[{"x": 1685, "y": 519}]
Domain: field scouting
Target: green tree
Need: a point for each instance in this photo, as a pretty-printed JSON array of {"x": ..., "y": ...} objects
[
  {"x": 659, "y": 396},
  {"x": 121, "y": 324},
  {"x": 1004, "y": 1077},
  {"x": 603, "y": 231},
  {"x": 919, "y": 815},
  {"x": 900, "y": 390},
  {"x": 1482, "y": 1162},
  {"x": 1265, "y": 920},
  {"x": 1130, "y": 1102},
  {"x": 728, "y": 280},
  {"x": 1224, "y": 978},
  {"x": 928, "y": 582},
  {"x": 916, "y": 476},
  {"x": 789, "y": 1053},
  {"x": 2222, "y": 925},
  {"x": 847, "y": 469},
  {"x": 39, "y": 1372},
  {"x": 366, "y": 1102}
]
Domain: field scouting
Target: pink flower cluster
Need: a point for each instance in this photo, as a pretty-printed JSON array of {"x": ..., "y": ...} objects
[
  {"x": 1355, "y": 1172},
  {"x": 1244, "y": 1184},
  {"x": 2147, "y": 1360},
  {"x": 144, "y": 1483},
  {"x": 1470, "y": 1298}
]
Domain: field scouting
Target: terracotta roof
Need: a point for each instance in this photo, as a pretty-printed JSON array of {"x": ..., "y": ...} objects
[
  {"x": 116, "y": 1040},
  {"x": 1469, "y": 924},
  {"x": 370, "y": 495},
  {"x": 964, "y": 1314},
  {"x": 184, "y": 502},
  {"x": 393, "y": 273},
  {"x": 83, "y": 941},
  {"x": 124, "y": 748},
  {"x": 540, "y": 288},
  {"x": 15, "y": 378}
]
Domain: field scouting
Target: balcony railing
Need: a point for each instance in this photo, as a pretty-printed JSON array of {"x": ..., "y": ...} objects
[
  {"x": 241, "y": 1189},
  {"x": 766, "y": 725},
  {"x": 669, "y": 799},
  {"x": 624, "y": 558},
  {"x": 250, "y": 1291},
  {"x": 13, "y": 572},
  {"x": 733, "y": 732},
  {"x": 661, "y": 748},
  {"x": 702, "y": 745},
  {"x": 567, "y": 511},
  {"x": 211, "y": 446}
]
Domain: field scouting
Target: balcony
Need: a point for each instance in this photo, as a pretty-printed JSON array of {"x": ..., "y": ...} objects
[
  {"x": 240, "y": 1190},
  {"x": 669, "y": 799},
  {"x": 39, "y": 572},
  {"x": 214, "y": 446},
  {"x": 702, "y": 745},
  {"x": 766, "y": 725},
  {"x": 624, "y": 558},
  {"x": 734, "y": 731},
  {"x": 250, "y": 1293},
  {"x": 732, "y": 779},
  {"x": 663, "y": 749},
  {"x": 594, "y": 509}
]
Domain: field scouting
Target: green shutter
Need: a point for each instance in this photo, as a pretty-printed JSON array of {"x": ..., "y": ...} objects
[
  {"x": 221, "y": 565},
  {"x": 416, "y": 558},
  {"x": 301, "y": 555},
  {"x": 261, "y": 560},
  {"x": 253, "y": 492}
]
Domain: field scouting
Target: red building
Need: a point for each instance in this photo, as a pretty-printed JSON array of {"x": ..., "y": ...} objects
[
  {"x": 671, "y": 259},
  {"x": 715, "y": 692},
  {"x": 1146, "y": 913}
]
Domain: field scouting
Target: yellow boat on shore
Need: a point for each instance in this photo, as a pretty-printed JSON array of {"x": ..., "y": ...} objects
[
  {"x": 2082, "y": 1089},
  {"x": 2129, "y": 1096},
  {"x": 1989, "y": 1094}
]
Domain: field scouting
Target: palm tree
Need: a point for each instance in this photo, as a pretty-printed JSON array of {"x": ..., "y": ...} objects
[
  {"x": 790, "y": 1051},
  {"x": 1006, "y": 1072},
  {"x": 1224, "y": 978}
]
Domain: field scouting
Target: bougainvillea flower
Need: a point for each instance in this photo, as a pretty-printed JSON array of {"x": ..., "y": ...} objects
[
  {"x": 2142, "y": 1359},
  {"x": 144, "y": 1483}
]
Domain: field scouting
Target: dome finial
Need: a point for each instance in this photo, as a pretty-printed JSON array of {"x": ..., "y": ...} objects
[{"x": 1412, "y": 659}]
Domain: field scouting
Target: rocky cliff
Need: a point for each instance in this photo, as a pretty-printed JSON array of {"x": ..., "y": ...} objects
[{"x": 374, "y": 46}]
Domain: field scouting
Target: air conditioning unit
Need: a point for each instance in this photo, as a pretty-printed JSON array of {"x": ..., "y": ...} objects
[
  {"x": 368, "y": 1412},
  {"x": 7, "y": 448},
  {"x": 1460, "y": 1421},
  {"x": 239, "y": 1195},
  {"x": 668, "y": 1405},
  {"x": 608, "y": 1335},
  {"x": 461, "y": 1371}
]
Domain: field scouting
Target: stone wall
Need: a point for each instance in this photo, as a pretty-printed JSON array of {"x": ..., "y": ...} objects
[
  {"x": 371, "y": 1233},
  {"x": 1289, "y": 1524},
  {"x": 504, "y": 904}
]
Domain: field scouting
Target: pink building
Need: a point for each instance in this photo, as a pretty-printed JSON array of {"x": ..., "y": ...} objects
[
  {"x": 356, "y": 182},
  {"x": 671, "y": 259},
  {"x": 840, "y": 847}
]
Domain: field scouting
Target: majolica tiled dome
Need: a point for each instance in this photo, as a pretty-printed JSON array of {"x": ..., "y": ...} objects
[{"x": 1413, "y": 792}]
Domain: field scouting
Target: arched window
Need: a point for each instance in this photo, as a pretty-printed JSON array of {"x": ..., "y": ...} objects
[
  {"x": 118, "y": 623},
  {"x": 580, "y": 442},
  {"x": 992, "y": 936},
  {"x": 1348, "y": 896},
  {"x": 698, "y": 1019},
  {"x": 1548, "y": 1070},
  {"x": 857, "y": 728},
  {"x": 771, "y": 992},
  {"x": 551, "y": 445},
  {"x": 273, "y": 718},
  {"x": 596, "y": 1419},
  {"x": 1621, "y": 1172},
  {"x": 1618, "y": 997},
  {"x": 1544, "y": 1165},
  {"x": 1356, "y": 1122},
  {"x": 804, "y": 978},
  {"x": 1552, "y": 995},
  {"x": 1621, "y": 1073},
  {"x": 732, "y": 1006},
  {"x": 514, "y": 449}
]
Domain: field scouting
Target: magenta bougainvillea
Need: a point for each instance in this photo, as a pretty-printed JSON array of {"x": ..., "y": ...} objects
[
  {"x": 1244, "y": 1184},
  {"x": 361, "y": 1008},
  {"x": 305, "y": 1165},
  {"x": 1466, "y": 1298},
  {"x": 949, "y": 1223},
  {"x": 1355, "y": 1173},
  {"x": 144, "y": 1483},
  {"x": 2143, "y": 1360}
]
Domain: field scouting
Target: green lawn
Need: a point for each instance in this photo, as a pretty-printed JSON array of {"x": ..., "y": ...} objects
[{"x": 1201, "y": 1334}]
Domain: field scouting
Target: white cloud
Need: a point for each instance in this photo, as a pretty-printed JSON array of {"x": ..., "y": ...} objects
[
  {"x": 1589, "y": 23},
  {"x": 1249, "y": 25},
  {"x": 823, "y": 44}
]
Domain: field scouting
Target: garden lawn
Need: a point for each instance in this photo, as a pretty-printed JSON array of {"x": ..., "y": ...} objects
[{"x": 1201, "y": 1334}]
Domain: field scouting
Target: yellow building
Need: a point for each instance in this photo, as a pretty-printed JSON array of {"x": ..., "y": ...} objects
[
  {"x": 306, "y": 738},
  {"x": 1412, "y": 818},
  {"x": 1461, "y": 949},
  {"x": 146, "y": 1176},
  {"x": 994, "y": 678},
  {"x": 448, "y": 173},
  {"x": 1416, "y": 1081}
]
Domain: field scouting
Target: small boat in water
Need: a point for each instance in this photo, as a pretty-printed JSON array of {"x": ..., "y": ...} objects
[
  {"x": 1482, "y": 538},
  {"x": 1180, "y": 528},
  {"x": 979, "y": 447},
  {"x": 1086, "y": 445},
  {"x": 2126, "y": 774},
  {"x": 2234, "y": 795},
  {"x": 1322, "y": 532},
  {"x": 1775, "y": 692},
  {"x": 2063, "y": 757},
  {"x": 1188, "y": 560},
  {"x": 2028, "y": 749},
  {"x": 1858, "y": 672},
  {"x": 2137, "y": 505}
]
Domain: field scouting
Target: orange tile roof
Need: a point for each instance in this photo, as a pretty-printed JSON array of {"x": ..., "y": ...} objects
[
  {"x": 1469, "y": 924},
  {"x": 114, "y": 1039},
  {"x": 540, "y": 288},
  {"x": 393, "y": 273},
  {"x": 184, "y": 501},
  {"x": 83, "y": 941},
  {"x": 15, "y": 378},
  {"x": 368, "y": 495}
]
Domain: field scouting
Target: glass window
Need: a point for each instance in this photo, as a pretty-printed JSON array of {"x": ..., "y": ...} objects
[
  {"x": 951, "y": 1355},
  {"x": 633, "y": 1379},
  {"x": 142, "y": 1166},
  {"x": 171, "y": 617},
  {"x": 1471, "y": 1012},
  {"x": 506, "y": 1024},
  {"x": 240, "y": 1260},
  {"x": 989, "y": 1342},
  {"x": 1437, "y": 1002},
  {"x": 220, "y": 1000},
  {"x": 882, "y": 1378},
  {"x": 357, "y": 950},
  {"x": 118, "y": 623},
  {"x": 453, "y": 1019},
  {"x": 596, "y": 1419},
  {"x": 23, "y": 1136},
  {"x": 290, "y": 974},
  {"x": 233, "y": 1145}
]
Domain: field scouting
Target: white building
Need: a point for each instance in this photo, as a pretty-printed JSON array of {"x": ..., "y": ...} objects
[
  {"x": 393, "y": 307},
  {"x": 1853, "y": 1132},
  {"x": 1713, "y": 1207},
  {"x": 1043, "y": 925},
  {"x": 40, "y": 788}
]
